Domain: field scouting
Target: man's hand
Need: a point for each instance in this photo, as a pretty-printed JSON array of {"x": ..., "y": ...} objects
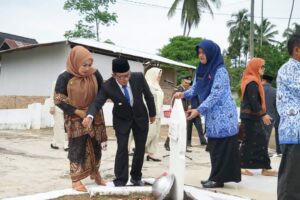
[
  {"x": 80, "y": 113},
  {"x": 267, "y": 119},
  {"x": 152, "y": 120},
  {"x": 52, "y": 110},
  {"x": 192, "y": 114},
  {"x": 178, "y": 95},
  {"x": 87, "y": 122}
]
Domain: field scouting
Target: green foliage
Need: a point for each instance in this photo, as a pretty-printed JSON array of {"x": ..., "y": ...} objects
[
  {"x": 268, "y": 33},
  {"x": 290, "y": 31},
  {"x": 91, "y": 13},
  {"x": 275, "y": 57},
  {"x": 81, "y": 30},
  {"x": 182, "y": 49},
  {"x": 238, "y": 34},
  {"x": 191, "y": 12},
  {"x": 108, "y": 41},
  {"x": 271, "y": 50},
  {"x": 235, "y": 76}
]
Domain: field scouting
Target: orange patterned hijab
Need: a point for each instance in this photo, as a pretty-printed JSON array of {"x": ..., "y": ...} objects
[
  {"x": 82, "y": 89},
  {"x": 252, "y": 74}
]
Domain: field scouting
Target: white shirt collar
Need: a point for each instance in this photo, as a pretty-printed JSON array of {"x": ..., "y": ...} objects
[{"x": 121, "y": 86}]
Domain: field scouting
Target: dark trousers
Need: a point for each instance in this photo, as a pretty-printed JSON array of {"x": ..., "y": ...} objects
[
  {"x": 278, "y": 148},
  {"x": 198, "y": 125},
  {"x": 288, "y": 175},
  {"x": 268, "y": 130},
  {"x": 121, "y": 160}
]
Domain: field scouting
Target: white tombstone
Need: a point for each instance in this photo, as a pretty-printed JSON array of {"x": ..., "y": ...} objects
[
  {"x": 35, "y": 110},
  {"x": 177, "y": 134},
  {"x": 46, "y": 118}
]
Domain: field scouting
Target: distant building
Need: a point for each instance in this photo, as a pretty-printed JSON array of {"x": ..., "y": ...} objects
[
  {"x": 26, "y": 73},
  {"x": 9, "y": 41}
]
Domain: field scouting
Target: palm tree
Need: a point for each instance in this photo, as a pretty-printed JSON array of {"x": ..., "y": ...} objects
[
  {"x": 191, "y": 12},
  {"x": 288, "y": 32},
  {"x": 239, "y": 28},
  {"x": 268, "y": 33}
]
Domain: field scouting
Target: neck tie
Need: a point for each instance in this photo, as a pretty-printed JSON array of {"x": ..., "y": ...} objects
[{"x": 126, "y": 93}]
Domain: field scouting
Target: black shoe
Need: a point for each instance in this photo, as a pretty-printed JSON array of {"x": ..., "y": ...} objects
[
  {"x": 204, "y": 182},
  {"x": 137, "y": 183},
  {"x": 213, "y": 184},
  {"x": 153, "y": 159},
  {"x": 66, "y": 149},
  {"x": 206, "y": 148},
  {"x": 118, "y": 184},
  {"x": 188, "y": 150},
  {"x": 53, "y": 147},
  {"x": 131, "y": 154},
  {"x": 167, "y": 147}
]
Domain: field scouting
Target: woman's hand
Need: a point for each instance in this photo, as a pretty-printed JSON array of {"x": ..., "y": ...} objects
[
  {"x": 192, "y": 113},
  {"x": 87, "y": 122},
  {"x": 52, "y": 110},
  {"x": 178, "y": 95},
  {"x": 80, "y": 113},
  {"x": 267, "y": 119}
]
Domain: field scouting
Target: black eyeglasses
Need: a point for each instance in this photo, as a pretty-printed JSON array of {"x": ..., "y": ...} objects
[{"x": 122, "y": 77}]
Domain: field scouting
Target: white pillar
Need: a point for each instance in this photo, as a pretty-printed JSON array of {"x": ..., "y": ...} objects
[{"x": 177, "y": 134}]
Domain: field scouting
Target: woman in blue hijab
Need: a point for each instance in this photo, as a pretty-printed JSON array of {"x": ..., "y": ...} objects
[{"x": 212, "y": 86}]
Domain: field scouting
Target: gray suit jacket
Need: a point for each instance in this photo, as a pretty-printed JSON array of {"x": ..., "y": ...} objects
[{"x": 270, "y": 97}]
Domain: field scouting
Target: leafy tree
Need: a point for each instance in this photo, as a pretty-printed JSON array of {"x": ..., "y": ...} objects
[
  {"x": 235, "y": 76},
  {"x": 90, "y": 11},
  {"x": 81, "y": 30},
  {"x": 275, "y": 57},
  {"x": 268, "y": 33},
  {"x": 290, "y": 31},
  {"x": 191, "y": 12},
  {"x": 238, "y": 38},
  {"x": 182, "y": 49},
  {"x": 108, "y": 41}
]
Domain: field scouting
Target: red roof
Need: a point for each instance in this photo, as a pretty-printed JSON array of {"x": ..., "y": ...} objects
[{"x": 12, "y": 44}]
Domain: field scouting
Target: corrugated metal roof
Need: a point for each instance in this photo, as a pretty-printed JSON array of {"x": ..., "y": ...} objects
[
  {"x": 4, "y": 36},
  {"x": 122, "y": 50},
  {"x": 12, "y": 44},
  {"x": 117, "y": 50}
]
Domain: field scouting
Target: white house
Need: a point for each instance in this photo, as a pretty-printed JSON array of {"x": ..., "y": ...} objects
[{"x": 26, "y": 73}]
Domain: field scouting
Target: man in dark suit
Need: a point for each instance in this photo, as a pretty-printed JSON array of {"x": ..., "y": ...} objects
[
  {"x": 126, "y": 90},
  {"x": 270, "y": 99}
]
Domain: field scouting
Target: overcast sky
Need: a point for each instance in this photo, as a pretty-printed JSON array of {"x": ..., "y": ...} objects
[{"x": 142, "y": 24}]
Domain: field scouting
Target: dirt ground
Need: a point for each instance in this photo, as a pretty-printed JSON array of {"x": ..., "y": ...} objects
[{"x": 30, "y": 166}]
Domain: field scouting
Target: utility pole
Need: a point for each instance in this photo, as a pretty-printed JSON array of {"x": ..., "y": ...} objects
[
  {"x": 261, "y": 24},
  {"x": 291, "y": 15},
  {"x": 252, "y": 30}
]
